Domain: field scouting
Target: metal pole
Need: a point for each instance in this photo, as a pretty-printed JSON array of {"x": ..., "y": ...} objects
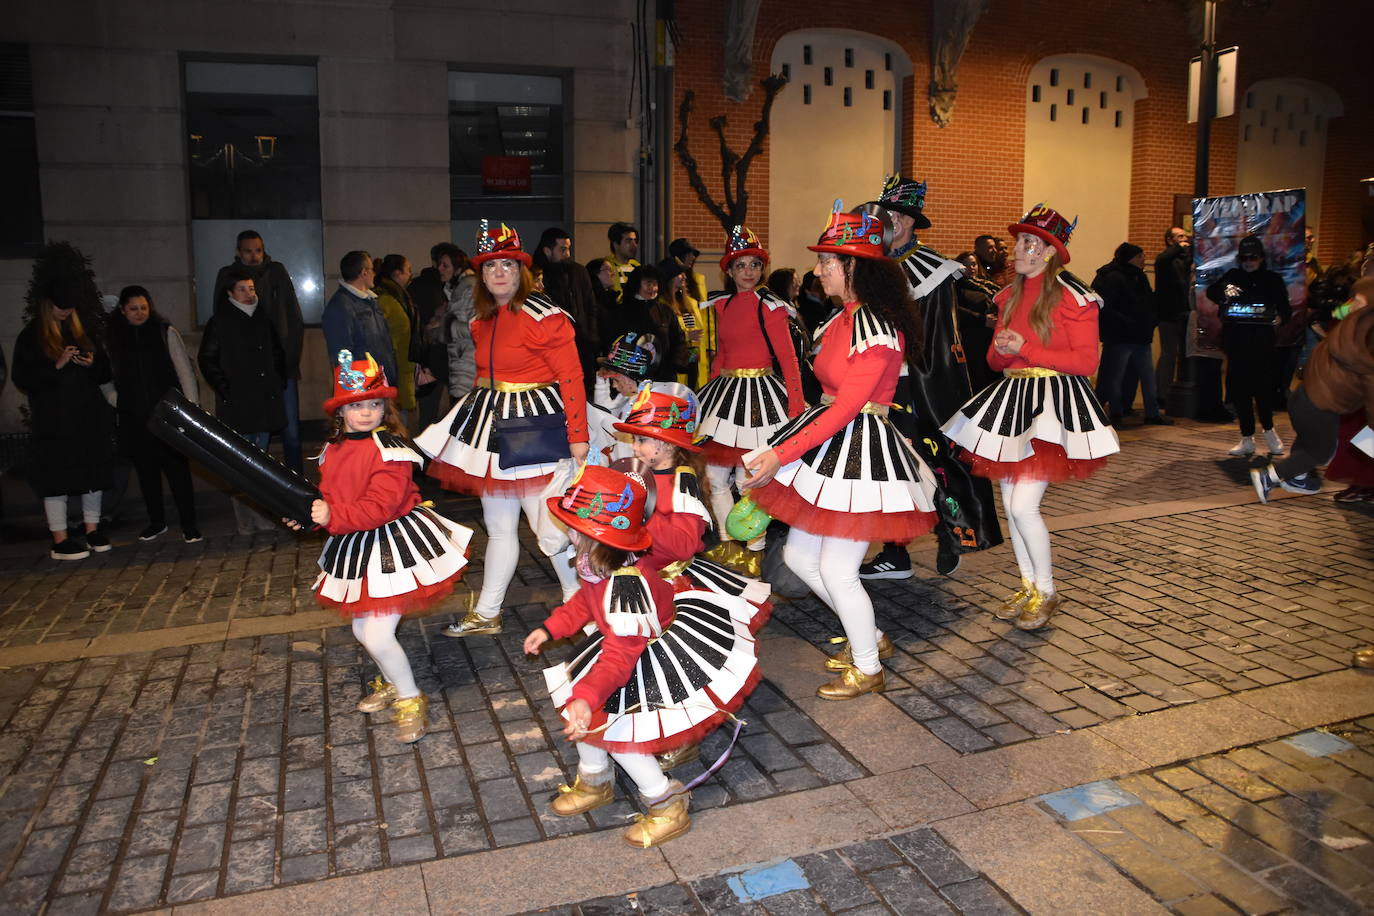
[{"x": 1207, "y": 101}]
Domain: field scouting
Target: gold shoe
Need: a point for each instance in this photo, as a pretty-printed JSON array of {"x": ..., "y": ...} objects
[
  {"x": 850, "y": 684},
  {"x": 1364, "y": 658},
  {"x": 661, "y": 822},
  {"x": 678, "y": 756},
  {"x": 381, "y": 696},
  {"x": 1037, "y": 610},
  {"x": 582, "y": 796},
  {"x": 845, "y": 657},
  {"x": 1011, "y": 608},
  {"x": 412, "y": 718},
  {"x": 474, "y": 624}
]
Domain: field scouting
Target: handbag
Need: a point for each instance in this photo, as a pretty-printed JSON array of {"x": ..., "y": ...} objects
[{"x": 526, "y": 440}]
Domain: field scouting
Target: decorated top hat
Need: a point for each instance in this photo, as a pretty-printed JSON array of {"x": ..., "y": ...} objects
[
  {"x": 503, "y": 243},
  {"x": 904, "y": 196},
  {"x": 667, "y": 411},
  {"x": 606, "y": 506},
  {"x": 632, "y": 354},
  {"x": 859, "y": 235},
  {"x": 742, "y": 243},
  {"x": 357, "y": 380},
  {"x": 1050, "y": 226}
]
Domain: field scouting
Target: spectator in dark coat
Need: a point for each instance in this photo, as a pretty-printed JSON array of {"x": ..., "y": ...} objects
[
  {"x": 431, "y": 303},
  {"x": 640, "y": 311},
  {"x": 352, "y": 319},
  {"x": 1173, "y": 277},
  {"x": 1126, "y": 326}
]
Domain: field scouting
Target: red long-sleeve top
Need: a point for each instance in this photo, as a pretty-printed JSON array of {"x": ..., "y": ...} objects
[
  {"x": 870, "y": 375},
  {"x": 677, "y": 535},
  {"x": 1073, "y": 345},
  {"x": 363, "y": 491},
  {"x": 739, "y": 345},
  {"x": 618, "y": 653},
  {"x": 531, "y": 349}
]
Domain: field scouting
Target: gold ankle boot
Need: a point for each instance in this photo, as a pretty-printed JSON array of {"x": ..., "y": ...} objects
[
  {"x": 1010, "y": 609},
  {"x": 845, "y": 657},
  {"x": 583, "y": 796},
  {"x": 1037, "y": 610},
  {"x": 1364, "y": 658},
  {"x": 678, "y": 756},
  {"x": 474, "y": 624},
  {"x": 381, "y": 696},
  {"x": 852, "y": 683},
  {"x": 662, "y": 821},
  {"x": 412, "y": 718}
]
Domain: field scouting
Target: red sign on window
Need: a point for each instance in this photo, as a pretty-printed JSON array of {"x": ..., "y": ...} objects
[{"x": 505, "y": 175}]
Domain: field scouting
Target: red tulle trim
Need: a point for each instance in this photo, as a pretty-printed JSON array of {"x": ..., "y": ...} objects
[
  {"x": 1050, "y": 462},
  {"x": 723, "y": 456},
  {"x": 681, "y": 739},
  {"x": 761, "y": 618},
  {"x": 419, "y": 600},
  {"x": 460, "y": 481},
  {"x": 784, "y": 503}
]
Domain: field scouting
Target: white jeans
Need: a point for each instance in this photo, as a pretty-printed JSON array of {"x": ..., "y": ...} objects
[
  {"x": 830, "y": 568},
  {"x": 643, "y": 769},
  {"x": 377, "y": 633},
  {"x": 501, "y": 515},
  {"x": 55, "y": 508},
  {"x": 1030, "y": 539}
]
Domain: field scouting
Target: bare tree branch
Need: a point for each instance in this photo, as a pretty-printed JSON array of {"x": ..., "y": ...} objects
[{"x": 689, "y": 163}]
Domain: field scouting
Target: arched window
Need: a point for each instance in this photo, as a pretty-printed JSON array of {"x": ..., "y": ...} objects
[
  {"x": 1080, "y": 120},
  {"x": 1282, "y": 141}
]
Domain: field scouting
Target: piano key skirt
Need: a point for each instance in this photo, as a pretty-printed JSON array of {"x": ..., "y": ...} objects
[
  {"x": 1039, "y": 425},
  {"x": 865, "y": 483},
  {"x": 403, "y": 567},
  {"x": 463, "y": 449},
  {"x": 708, "y": 575},
  {"x": 739, "y": 413},
  {"x": 685, "y": 684}
]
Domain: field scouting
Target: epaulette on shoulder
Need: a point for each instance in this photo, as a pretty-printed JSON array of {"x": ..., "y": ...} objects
[
  {"x": 1082, "y": 293},
  {"x": 629, "y": 606},
  {"x": 773, "y": 300},
  {"x": 926, "y": 269},
  {"x": 716, "y": 298},
  {"x": 870, "y": 330},
  {"x": 395, "y": 448},
  {"x": 538, "y": 306},
  {"x": 687, "y": 495}
]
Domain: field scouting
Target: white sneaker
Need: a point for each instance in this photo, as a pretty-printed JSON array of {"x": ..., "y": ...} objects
[
  {"x": 1273, "y": 443},
  {"x": 1244, "y": 449}
]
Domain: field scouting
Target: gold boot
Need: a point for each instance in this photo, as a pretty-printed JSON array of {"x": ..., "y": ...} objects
[
  {"x": 412, "y": 718},
  {"x": 663, "y": 820},
  {"x": 1010, "y": 609},
  {"x": 1364, "y": 658},
  {"x": 678, "y": 756},
  {"x": 474, "y": 624},
  {"x": 381, "y": 696},
  {"x": 852, "y": 683},
  {"x": 845, "y": 657},
  {"x": 583, "y": 796},
  {"x": 1037, "y": 610}
]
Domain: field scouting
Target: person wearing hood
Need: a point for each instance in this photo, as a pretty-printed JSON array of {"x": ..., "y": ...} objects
[
  {"x": 1252, "y": 302},
  {"x": 1126, "y": 326},
  {"x": 242, "y": 359}
]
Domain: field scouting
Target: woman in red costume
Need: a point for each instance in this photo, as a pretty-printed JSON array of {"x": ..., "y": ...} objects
[
  {"x": 527, "y": 366},
  {"x": 1040, "y": 423},
  {"x": 840, "y": 474},
  {"x": 745, "y": 402}
]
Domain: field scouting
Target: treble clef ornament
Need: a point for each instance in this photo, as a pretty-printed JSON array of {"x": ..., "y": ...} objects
[{"x": 350, "y": 379}]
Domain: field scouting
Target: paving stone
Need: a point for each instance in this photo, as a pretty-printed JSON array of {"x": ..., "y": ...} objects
[
  {"x": 304, "y": 868},
  {"x": 870, "y": 855},
  {"x": 354, "y": 801},
  {"x": 199, "y": 849},
  {"x": 936, "y": 859},
  {"x": 405, "y": 814},
  {"x": 978, "y": 897},
  {"x": 139, "y": 883},
  {"x": 251, "y": 865},
  {"x": 186, "y": 888},
  {"x": 905, "y": 892},
  {"x": 834, "y": 881},
  {"x": 411, "y": 849},
  {"x": 1319, "y": 897},
  {"x": 89, "y": 867},
  {"x": 515, "y": 832}
]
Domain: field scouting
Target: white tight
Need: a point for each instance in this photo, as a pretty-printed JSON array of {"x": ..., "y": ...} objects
[
  {"x": 501, "y": 515},
  {"x": 55, "y": 508},
  {"x": 1029, "y": 536},
  {"x": 643, "y": 769},
  {"x": 377, "y": 633},
  {"x": 830, "y": 568},
  {"x": 722, "y": 499}
]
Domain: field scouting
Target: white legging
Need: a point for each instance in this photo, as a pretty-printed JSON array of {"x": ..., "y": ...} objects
[
  {"x": 643, "y": 769},
  {"x": 377, "y": 633},
  {"x": 1030, "y": 539},
  {"x": 501, "y": 515},
  {"x": 722, "y": 498},
  {"x": 55, "y": 508},
  {"x": 830, "y": 568}
]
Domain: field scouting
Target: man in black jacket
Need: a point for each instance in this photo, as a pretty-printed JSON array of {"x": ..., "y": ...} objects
[
  {"x": 1173, "y": 271},
  {"x": 1126, "y": 326}
]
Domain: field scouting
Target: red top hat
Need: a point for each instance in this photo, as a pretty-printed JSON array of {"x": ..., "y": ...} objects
[
  {"x": 503, "y": 243},
  {"x": 742, "y": 243},
  {"x": 1050, "y": 226},
  {"x": 856, "y": 234},
  {"x": 666, "y": 411},
  {"x": 360, "y": 380},
  {"x": 606, "y": 506}
]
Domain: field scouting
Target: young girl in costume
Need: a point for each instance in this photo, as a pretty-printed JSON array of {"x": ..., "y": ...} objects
[
  {"x": 662, "y": 671},
  {"x": 1041, "y": 422},
  {"x": 387, "y": 555}
]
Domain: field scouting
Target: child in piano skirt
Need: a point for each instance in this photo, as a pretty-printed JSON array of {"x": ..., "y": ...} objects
[
  {"x": 840, "y": 474},
  {"x": 1041, "y": 423},
  {"x": 662, "y": 671},
  {"x": 387, "y": 555}
]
